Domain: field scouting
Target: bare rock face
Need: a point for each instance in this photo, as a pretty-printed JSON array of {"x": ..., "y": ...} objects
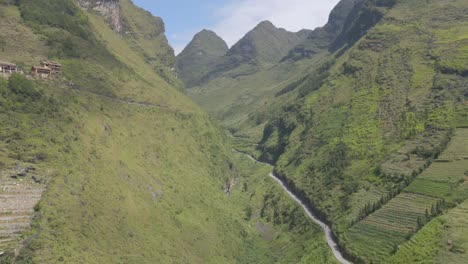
[{"x": 110, "y": 9}]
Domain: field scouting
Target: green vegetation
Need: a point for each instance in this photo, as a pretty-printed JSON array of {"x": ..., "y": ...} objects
[
  {"x": 200, "y": 56},
  {"x": 364, "y": 118},
  {"x": 443, "y": 240},
  {"x": 279, "y": 219},
  {"x": 353, "y": 120},
  {"x": 135, "y": 172},
  {"x": 376, "y": 236}
]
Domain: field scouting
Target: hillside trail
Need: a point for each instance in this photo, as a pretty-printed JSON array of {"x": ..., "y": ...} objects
[
  {"x": 327, "y": 230},
  {"x": 128, "y": 102}
]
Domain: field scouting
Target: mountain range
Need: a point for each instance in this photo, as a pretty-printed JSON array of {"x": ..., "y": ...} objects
[
  {"x": 354, "y": 115},
  {"x": 126, "y": 153}
]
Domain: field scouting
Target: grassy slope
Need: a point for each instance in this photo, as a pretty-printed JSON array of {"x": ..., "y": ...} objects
[
  {"x": 234, "y": 102},
  {"x": 202, "y": 53},
  {"x": 366, "y": 110},
  {"x": 363, "y": 132},
  {"x": 443, "y": 240},
  {"x": 133, "y": 184},
  {"x": 377, "y": 235}
]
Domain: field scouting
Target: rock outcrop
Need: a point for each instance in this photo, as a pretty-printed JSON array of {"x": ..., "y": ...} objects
[{"x": 110, "y": 9}]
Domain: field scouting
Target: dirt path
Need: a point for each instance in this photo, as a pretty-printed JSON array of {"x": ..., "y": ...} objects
[
  {"x": 128, "y": 102},
  {"x": 328, "y": 233}
]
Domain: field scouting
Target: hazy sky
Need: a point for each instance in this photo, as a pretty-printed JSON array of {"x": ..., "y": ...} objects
[{"x": 231, "y": 19}]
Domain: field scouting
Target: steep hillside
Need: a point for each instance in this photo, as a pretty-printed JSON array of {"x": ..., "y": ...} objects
[
  {"x": 364, "y": 113},
  {"x": 242, "y": 88},
  {"x": 321, "y": 38},
  {"x": 266, "y": 44},
  {"x": 259, "y": 49},
  {"x": 361, "y": 129},
  {"x": 201, "y": 56},
  {"x": 126, "y": 167}
]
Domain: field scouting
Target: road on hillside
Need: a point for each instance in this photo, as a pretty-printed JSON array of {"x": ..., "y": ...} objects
[{"x": 328, "y": 233}]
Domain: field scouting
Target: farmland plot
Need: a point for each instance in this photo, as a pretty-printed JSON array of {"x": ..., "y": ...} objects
[{"x": 379, "y": 235}]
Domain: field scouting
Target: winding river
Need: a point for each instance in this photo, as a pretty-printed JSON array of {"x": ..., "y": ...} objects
[{"x": 328, "y": 233}]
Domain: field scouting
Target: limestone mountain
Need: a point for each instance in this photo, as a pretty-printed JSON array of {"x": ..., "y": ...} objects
[
  {"x": 201, "y": 56},
  {"x": 321, "y": 38},
  {"x": 359, "y": 120},
  {"x": 266, "y": 44},
  {"x": 107, "y": 161},
  {"x": 260, "y": 48},
  {"x": 245, "y": 72},
  {"x": 126, "y": 168}
]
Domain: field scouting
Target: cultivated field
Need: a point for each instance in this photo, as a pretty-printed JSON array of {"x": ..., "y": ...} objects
[{"x": 378, "y": 236}]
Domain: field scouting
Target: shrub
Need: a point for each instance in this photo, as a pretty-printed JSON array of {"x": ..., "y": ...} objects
[
  {"x": 3, "y": 87},
  {"x": 23, "y": 88}
]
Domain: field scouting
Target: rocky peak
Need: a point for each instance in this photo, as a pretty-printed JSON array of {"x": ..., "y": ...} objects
[
  {"x": 267, "y": 43},
  {"x": 202, "y": 54},
  {"x": 109, "y": 9},
  {"x": 266, "y": 25},
  {"x": 339, "y": 14},
  {"x": 206, "y": 42}
]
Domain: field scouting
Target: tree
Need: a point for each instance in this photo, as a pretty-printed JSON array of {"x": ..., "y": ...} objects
[{"x": 23, "y": 88}]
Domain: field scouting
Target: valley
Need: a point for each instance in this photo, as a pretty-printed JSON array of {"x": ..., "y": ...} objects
[
  {"x": 358, "y": 120},
  {"x": 347, "y": 143},
  {"x": 326, "y": 229}
]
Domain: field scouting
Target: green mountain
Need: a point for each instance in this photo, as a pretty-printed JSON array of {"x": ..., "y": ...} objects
[
  {"x": 321, "y": 38},
  {"x": 260, "y": 48},
  {"x": 107, "y": 160},
  {"x": 125, "y": 167},
  {"x": 365, "y": 122},
  {"x": 282, "y": 61},
  {"x": 201, "y": 55},
  {"x": 266, "y": 44}
]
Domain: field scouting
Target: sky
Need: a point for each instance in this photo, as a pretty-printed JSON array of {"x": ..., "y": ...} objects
[{"x": 232, "y": 19}]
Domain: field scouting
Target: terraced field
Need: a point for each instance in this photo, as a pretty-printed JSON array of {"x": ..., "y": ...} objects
[
  {"x": 378, "y": 236},
  {"x": 454, "y": 239},
  {"x": 447, "y": 177},
  {"x": 443, "y": 240},
  {"x": 458, "y": 147},
  {"x": 17, "y": 201}
]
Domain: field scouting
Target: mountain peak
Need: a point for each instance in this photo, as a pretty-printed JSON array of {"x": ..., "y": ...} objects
[
  {"x": 206, "y": 42},
  {"x": 204, "y": 51},
  {"x": 206, "y": 32},
  {"x": 266, "y": 24},
  {"x": 266, "y": 43}
]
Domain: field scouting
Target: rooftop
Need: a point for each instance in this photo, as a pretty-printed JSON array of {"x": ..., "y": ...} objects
[
  {"x": 41, "y": 68},
  {"x": 51, "y": 63},
  {"x": 7, "y": 63}
]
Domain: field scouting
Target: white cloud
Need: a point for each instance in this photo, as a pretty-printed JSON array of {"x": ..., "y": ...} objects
[{"x": 240, "y": 16}]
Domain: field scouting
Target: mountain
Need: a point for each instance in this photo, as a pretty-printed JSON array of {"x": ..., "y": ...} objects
[
  {"x": 104, "y": 159},
  {"x": 265, "y": 63},
  {"x": 107, "y": 161},
  {"x": 202, "y": 54},
  {"x": 365, "y": 120},
  {"x": 260, "y": 48},
  {"x": 321, "y": 38},
  {"x": 266, "y": 43}
]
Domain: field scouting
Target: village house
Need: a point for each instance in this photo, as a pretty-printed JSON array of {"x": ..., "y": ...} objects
[
  {"x": 47, "y": 69},
  {"x": 55, "y": 68},
  {"x": 42, "y": 72},
  {"x": 7, "y": 68}
]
